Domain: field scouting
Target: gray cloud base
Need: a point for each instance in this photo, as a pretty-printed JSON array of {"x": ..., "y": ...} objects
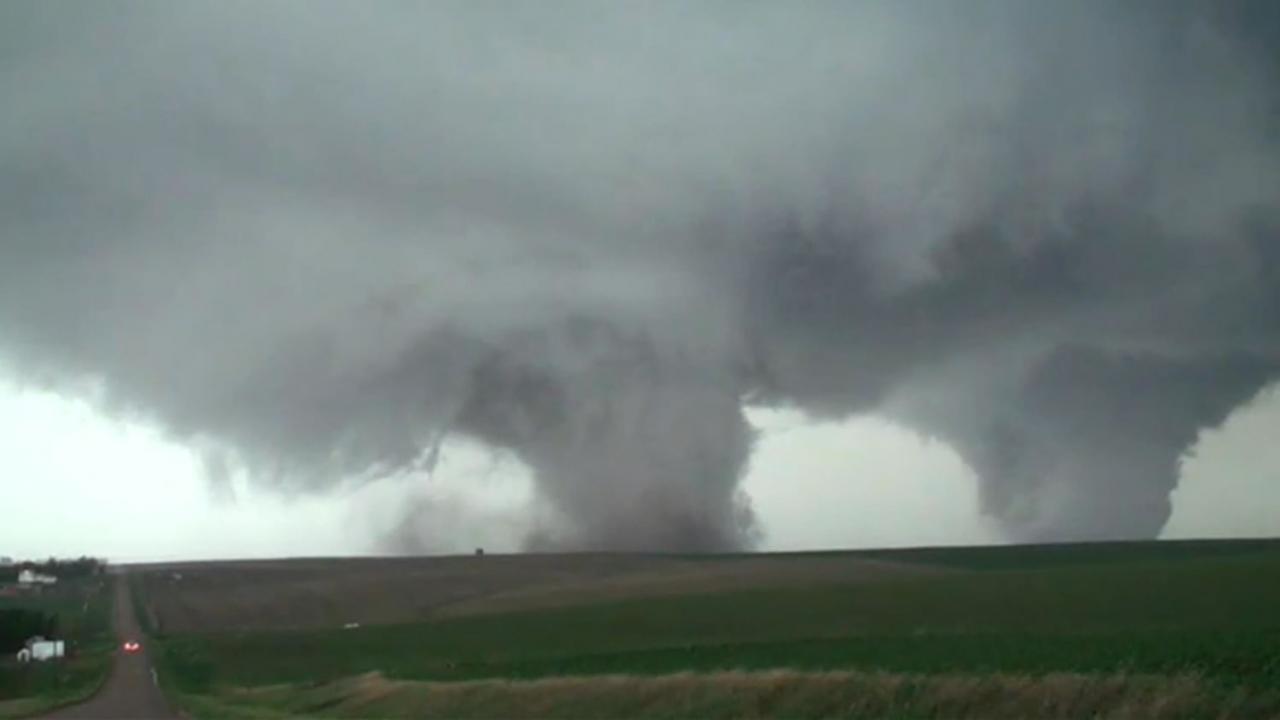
[{"x": 316, "y": 237}]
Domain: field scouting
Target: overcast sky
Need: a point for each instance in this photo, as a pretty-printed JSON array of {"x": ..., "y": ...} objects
[
  {"x": 78, "y": 482},
  {"x": 321, "y": 276}
]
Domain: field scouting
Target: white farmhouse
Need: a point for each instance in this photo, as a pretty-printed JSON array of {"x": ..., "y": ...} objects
[
  {"x": 31, "y": 577},
  {"x": 40, "y": 650}
]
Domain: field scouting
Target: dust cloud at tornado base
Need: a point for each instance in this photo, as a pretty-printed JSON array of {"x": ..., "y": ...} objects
[{"x": 314, "y": 239}]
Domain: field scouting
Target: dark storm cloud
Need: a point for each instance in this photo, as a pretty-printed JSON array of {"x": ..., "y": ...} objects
[{"x": 318, "y": 236}]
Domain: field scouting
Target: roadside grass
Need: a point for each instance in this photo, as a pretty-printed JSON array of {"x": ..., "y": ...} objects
[
  {"x": 48, "y": 687},
  {"x": 754, "y": 695},
  {"x": 141, "y": 610},
  {"x": 83, "y": 608}
]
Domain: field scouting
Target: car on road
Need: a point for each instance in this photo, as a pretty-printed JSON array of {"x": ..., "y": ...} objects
[{"x": 132, "y": 646}]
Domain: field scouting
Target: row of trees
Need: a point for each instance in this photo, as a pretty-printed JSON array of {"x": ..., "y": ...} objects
[
  {"x": 19, "y": 624},
  {"x": 80, "y": 567}
]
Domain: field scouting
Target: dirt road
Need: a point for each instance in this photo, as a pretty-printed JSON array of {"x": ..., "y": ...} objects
[{"x": 131, "y": 691}]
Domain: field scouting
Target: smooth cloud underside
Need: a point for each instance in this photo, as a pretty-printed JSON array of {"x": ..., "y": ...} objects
[{"x": 320, "y": 236}]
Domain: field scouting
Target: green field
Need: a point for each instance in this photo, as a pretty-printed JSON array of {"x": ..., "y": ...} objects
[
  {"x": 83, "y": 610},
  {"x": 1201, "y": 613}
]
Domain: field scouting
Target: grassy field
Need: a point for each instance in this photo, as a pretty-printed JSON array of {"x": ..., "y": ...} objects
[
  {"x": 323, "y": 593},
  {"x": 754, "y": 695},
  {"x": 83, "y": 608},
  {"x": 1119, "y": 621}
]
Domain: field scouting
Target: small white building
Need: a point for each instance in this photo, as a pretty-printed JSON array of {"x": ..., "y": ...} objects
[
  {"x": 31, "y": 577},
  {"x": 41, "y": 650}
]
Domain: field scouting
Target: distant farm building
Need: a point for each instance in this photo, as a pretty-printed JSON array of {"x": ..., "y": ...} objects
[
  {"x": 31, "y": 577},
  {"x": 6, "y": 561},
  {"x": 39, "y": 649}
]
